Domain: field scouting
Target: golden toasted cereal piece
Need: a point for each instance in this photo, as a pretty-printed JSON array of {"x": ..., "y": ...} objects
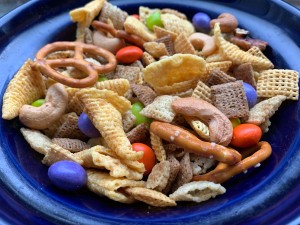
[
  {"x": 202, "y": 91},
  {"x": 177, "y": 25},
  {"x": 177, "y": 88},
  {"x": 138, "y": 134},
  {"x": 175, "y": 12},
  {"x": 159, "y": 176},
  {"x": 162, "y": 32},
  {"x": 238, "y": 56},
  {"x": 114, "y": 14},
  {"x": 254, "y": 50},
  {"x": 223, "y": 66},
  {"x": 174, "y": 69},
  {"x": 158, "y": 147},
  {"x": 94, "y": 158},
  {"x": 131, "y": 73},
  {"x": 85, "y": 15},
  {"x": 278, "y": 82},
  {"x": 128, "y": 120},
  {"x": 37, "y": 140},
  {"x": 73, "y": 145},
  {"x": 200, "y": 165},
  {"x": 265, "y": 109},
  {"x": 57, "y": 153},
  {"x": 198, "y": 126},
  {"x": 147, "y": 59},
  {"x": 160, "y": 109},
  {"x": 185, "y": 173},
  {"x": 216, "y": 57},
  {"x": 74, "y": 105},
  {"x": 134, "y": 26},
  {"x": 151, "y": 197},
  {"x": 101, "y": 183},
  {"x": 25, "y": 87},
  {"x": 198, "y": 191},
  {"x": 183, "y": 45},
  {"x": 156, "y": 49},
  {"x": 120, "y": 86},
  {"x": 107, "y": 119}
]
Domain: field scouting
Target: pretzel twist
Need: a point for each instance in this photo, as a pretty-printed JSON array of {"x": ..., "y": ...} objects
[
  {"x": 224, "y": 172},
  {"x": 191, "y": 143},
  {"x": 47, "y": 66},
  {"x": 131, "y": 38}
]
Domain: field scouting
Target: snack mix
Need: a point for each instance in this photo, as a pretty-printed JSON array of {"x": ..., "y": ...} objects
[{"x": 189, "y": 98}]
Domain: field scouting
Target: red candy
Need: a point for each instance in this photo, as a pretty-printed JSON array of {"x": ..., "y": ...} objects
[
  {"x": 129, "y": 54},
  {"x": 148, "y": 159},
  {"x": 246, "y": 135}
]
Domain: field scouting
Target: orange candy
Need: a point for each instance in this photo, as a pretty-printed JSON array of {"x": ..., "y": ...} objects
[
  {"x": 129, "y": 54},
  {"x": 148, "y": 159},
  {"x": 246, "y": 135}
]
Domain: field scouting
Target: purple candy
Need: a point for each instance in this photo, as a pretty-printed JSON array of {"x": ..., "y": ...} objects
[
  {"x": 250, "y": 94},
  {"x": 201, "y": 22},
  {"x": 67, "y": 175},
  {"x": 87, "y": 127}
]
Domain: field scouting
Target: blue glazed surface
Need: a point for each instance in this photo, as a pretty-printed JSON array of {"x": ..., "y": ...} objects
[{"x": 269, "y": 194}]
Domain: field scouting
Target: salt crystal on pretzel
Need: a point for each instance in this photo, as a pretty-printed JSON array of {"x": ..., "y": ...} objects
[
  {"x": 156, "y": 49},
  {"x": 151, "y": 197},
  {"x": 177, "y": 25},
  {"x": 37, "y": 140},
  {"x": 157, "y": 147},
  {"x": 160, "y": 108},
  {"x": 134, "y": 26},
  {"x": 183, "y": 45},
  {"x": 265, "y": 109},
  {"x": 25, "y": 87},
  {"x": 175, "y": 69},
  {"x": 107, "y": 119},
  {"x": 159, "y": 176},
  {"x": 73, "y": 145},
  {"x": 278, "y": 82},
  {"x": 119, "y": 85},
  {"x": 94, "y": 158},
  {"x": 101, "y": 183},
  {"x": 197, "y": 191},
  {"x": 238, "y": 56}
]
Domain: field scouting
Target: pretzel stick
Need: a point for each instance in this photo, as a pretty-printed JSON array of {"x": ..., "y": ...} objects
[
  {"x": 191, "y": 143},
  {"x": 223, "y": 173},
  {"x": 46, "y": 66},
  {"x": 131, "y": 38}
]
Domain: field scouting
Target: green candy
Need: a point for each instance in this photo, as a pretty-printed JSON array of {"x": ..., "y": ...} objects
[
  {"x": 102, "y": 78},
  {"x": 235, "y": 122},
  {"x": 38, "y": 102},
  {"x": 136, "y": 108},
  {"x": 154, "y": 20}
]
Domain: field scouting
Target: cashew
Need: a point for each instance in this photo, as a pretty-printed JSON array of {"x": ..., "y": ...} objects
[
  {"x": 228, "y": 22},
  {"x": 110, "y": 44},
  {"x": 54, "y": 107},
  {"x": 220, "y": 127},
  {"x": 203, "y": 42}
]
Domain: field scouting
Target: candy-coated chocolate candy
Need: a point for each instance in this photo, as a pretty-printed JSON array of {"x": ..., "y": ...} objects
[
  {"x": 201, "y": 22},
  {"x": 102, "y": 78},
  {"x": 38, "y": 102},
  {"x": 136, "y": 16},
  {"x": 148, "y": 158},
  {"x": 135, "y": 109},
  {"x": 154, "y": 20},
  {"x": 235, "y": 122},
  {"x": 87, "y": 127},
  {"x": 67, "y": 175},
  {"x": 129, "y": 54},
  {"x": 246, "y": 135},
  {"x": 250, "y": 94}
]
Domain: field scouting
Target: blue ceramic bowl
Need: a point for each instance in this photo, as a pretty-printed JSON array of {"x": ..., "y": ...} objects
[{"x": 269, "y": 194}]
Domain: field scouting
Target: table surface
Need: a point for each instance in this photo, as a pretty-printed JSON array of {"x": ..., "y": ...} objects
[{"x": 8, "y": 5}]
